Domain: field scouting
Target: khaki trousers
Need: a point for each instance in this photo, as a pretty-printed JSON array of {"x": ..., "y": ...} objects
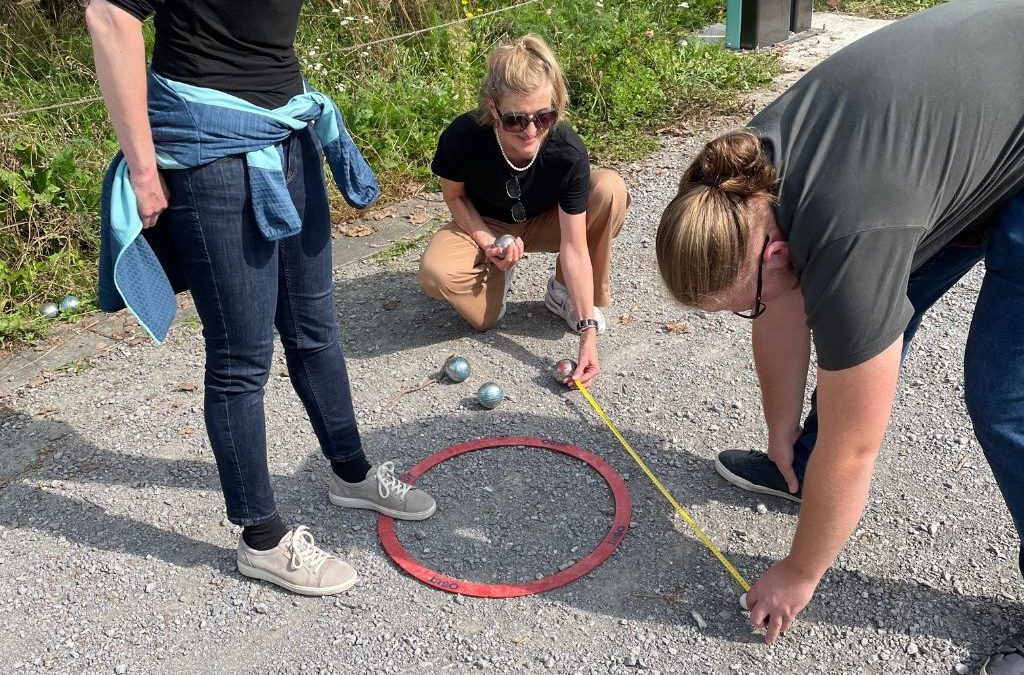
[{"x": 454, "y": 268}]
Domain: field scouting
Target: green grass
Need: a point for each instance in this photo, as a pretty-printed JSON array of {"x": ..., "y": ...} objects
[
  {"x": 632, "y": 66},
  {"x": 400, "y": 248},
  {"x": 877, "y": 9},
  {"x": 49, "y": 170}
]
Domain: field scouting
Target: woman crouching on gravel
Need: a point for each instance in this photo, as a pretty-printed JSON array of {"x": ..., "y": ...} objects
[
  {"x": 859, "y": 197},
  {"x": 514, "y": 167}
]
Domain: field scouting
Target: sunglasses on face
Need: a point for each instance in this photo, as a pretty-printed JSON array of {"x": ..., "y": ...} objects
[{"x": 518, "y": 122}]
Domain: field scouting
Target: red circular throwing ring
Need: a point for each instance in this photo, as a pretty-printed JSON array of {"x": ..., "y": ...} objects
[{"x": 611, "y": 541}]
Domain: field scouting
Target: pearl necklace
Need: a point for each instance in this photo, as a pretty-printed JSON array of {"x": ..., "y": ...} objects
[{"x": 509, "y": 161}]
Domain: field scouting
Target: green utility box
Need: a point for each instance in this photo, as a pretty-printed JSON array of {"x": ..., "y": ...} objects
[{"x": 761, "y": 23}]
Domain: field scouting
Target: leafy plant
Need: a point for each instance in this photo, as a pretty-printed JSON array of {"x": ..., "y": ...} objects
[{"x": 632, "y": 66}]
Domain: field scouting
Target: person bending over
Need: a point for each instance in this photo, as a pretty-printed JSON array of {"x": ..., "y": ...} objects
[{"x": 849, "y": 206}]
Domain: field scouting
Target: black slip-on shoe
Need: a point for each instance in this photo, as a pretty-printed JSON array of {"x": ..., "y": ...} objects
[
  {"x": 1008, "y": 659},
  {"x": 753, "y": 471}
]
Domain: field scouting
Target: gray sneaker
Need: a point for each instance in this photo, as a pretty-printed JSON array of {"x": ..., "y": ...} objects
[
  {"x": 382, "y": 491},
  {"x": 297, "y": 564},
  {"x": 556, "y": 299}
]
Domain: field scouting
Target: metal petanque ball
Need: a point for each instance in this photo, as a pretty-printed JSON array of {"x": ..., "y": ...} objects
[
  {"x": 490, "y": 395},
  {"x": 456, "y": 368},
  {"x": 563, "y": 369},
  {"x": 503, "y": 242},
  {"x": 49, "y": 310},
  {"x": 69, "y": 304}
]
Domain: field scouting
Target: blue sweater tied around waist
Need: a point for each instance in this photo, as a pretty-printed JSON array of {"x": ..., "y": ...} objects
[{"x": 193, "y": 126}]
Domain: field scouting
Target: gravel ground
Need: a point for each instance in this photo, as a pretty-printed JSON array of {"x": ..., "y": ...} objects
[{"x": 117, "y": 559}]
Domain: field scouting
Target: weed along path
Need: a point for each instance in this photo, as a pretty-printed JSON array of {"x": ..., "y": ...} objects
[{"x": 117, "y": 559}]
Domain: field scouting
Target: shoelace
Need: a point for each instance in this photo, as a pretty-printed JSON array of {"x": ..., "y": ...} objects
[
  {"x": 387, "y": 482},
  {"x": 305, "y": 552}
]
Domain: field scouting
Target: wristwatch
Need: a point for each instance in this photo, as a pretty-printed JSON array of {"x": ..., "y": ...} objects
[{"x": 584, "y": 324}]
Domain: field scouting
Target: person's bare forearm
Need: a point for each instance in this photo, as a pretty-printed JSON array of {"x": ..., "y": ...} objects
[
  {"x": 835, "y": 490},
  {"x": 468, "y": 219},
  {"x": 120, "y": 53},
  {"x": 574, "y": 257},
  {"x": 579, "y": 280},
  {"x": 782, "y": 353},
  {"x": 853, "y": 411}
]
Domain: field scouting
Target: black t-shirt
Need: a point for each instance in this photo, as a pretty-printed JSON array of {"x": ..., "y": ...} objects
[
  {"x": 468, "y": 153},
  {"x": 241, "y": 47},
  {"x": 886, "y": 152}
]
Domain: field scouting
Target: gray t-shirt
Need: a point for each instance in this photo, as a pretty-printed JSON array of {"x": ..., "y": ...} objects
[{"x": 886, "y": 152}]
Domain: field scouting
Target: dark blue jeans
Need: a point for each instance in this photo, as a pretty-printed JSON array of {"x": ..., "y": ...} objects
[
  {"x": 994, "y": 358},
  {"x": 244, "y": 286}
]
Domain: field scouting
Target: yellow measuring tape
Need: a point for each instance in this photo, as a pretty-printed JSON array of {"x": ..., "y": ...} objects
[{"x": 661, "y": 488}]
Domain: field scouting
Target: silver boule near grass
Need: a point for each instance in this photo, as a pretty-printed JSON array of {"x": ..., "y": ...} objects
[
  {"x": 490, "y": 395},
  {"x": 69, "y": 304},
  {"x": 457, "y": 368},
  {"x": 49, "y": 310},
  {"x": 563, "y": 369}
]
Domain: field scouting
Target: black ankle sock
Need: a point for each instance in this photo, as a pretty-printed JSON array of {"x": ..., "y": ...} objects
[
  {"x": 352, "y": 471},
  {"x": 264, "y": 536}
]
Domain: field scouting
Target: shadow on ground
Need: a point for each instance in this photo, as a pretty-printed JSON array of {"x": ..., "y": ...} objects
[
  {"x": 386, "y": 312},
  {"x": 658, "y": 573}
]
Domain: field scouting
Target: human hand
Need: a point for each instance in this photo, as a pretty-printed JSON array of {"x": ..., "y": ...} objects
[
  {"x": 151, "y": 196},
  {"x": 780, "y": 451},
  {"x": 588, "y": 366},
  {"x": 778, "y": 596},
  {"x": 505, "y": 258}
]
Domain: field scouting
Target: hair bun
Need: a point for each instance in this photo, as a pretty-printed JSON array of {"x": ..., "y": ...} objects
[{"x": 734, "y": 163}]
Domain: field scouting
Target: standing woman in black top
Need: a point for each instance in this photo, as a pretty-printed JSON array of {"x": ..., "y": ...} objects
[
  {"x": 514, "y": 166},
  {"x": 244, "y": 284}
]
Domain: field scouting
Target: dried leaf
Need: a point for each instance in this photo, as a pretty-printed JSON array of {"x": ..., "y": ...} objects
[
  {"x": 353, "y": 230},
  {"x": 419, "y": 218},
  {"x": 626, "y": 318},
  {"x": 185, "y": 386},
  {"x": 381, "y": 215},
  {"x": 675, "y": 327},
  {"x": 390, "y": 303}
]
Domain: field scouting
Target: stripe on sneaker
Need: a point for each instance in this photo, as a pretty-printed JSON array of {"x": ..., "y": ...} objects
[{"x": 745, "y": 484}]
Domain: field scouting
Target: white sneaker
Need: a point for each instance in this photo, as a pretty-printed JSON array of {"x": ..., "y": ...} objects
[
  {"x": 557, "y": 301},
  {"x": 297, "y": 564},
  {"x": 504, "y": 297}
]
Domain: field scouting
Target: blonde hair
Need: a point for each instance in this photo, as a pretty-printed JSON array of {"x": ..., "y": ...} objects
[
  {"x": 519, "y": 68},
  {"x": 703, "y": 236}
]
